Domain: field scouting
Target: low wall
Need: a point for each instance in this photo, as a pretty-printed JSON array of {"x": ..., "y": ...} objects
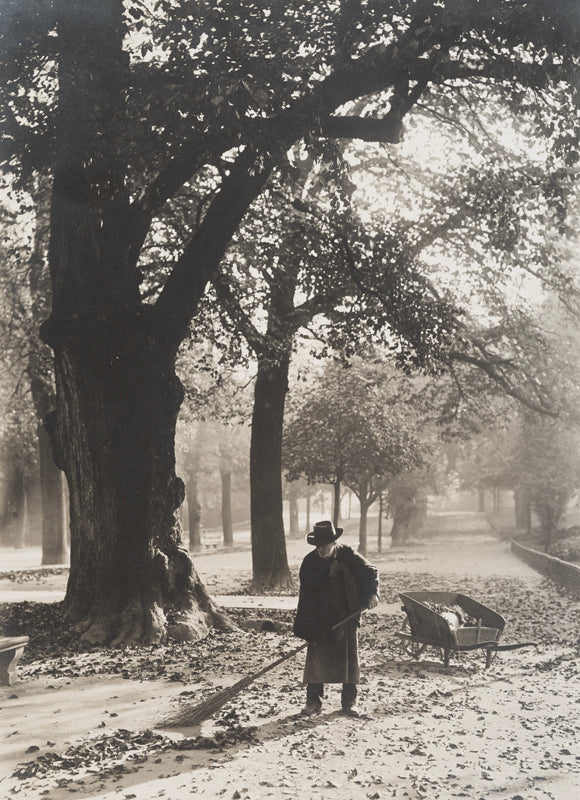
[{"x": 567, "y": 575}]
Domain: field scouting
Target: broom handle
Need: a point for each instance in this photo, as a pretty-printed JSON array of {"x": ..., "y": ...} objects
[
  {"x": 292, "y": 653},
  {"x": 348, "y": 619},
  {"x": 273, "y": 664}
]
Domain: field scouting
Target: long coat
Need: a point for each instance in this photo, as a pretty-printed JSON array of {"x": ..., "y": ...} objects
[{"x": 330, "y": 590}]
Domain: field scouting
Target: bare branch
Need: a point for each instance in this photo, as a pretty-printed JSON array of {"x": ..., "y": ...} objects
[{"x": 501, "y": 380}]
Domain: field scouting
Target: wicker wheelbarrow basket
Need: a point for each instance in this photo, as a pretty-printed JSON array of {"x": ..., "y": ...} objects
[{"x": 458, "y": 624}]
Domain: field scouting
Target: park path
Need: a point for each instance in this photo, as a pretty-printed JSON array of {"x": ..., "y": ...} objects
[{"x": 473, "y": 553}]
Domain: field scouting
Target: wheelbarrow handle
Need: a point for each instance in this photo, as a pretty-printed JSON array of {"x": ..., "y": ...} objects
[
  {"x": 504, "y": 647},
  {"x": 495, "y": 646}
]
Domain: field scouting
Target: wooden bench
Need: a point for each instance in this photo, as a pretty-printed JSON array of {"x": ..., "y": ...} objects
[{"x": 11, "y": 648}]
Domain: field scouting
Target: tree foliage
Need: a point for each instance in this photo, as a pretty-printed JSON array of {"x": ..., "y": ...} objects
[
  {"x": 546, "y": 463},
  {"x": 21, "y": 355},
  {"x": 350, "y": 427}
]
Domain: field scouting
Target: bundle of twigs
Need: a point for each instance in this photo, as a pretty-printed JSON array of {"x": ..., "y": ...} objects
[{"x": 187, "y": 715}]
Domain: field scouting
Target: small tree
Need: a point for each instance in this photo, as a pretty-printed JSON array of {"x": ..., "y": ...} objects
[{"x": 349, "y": 429}]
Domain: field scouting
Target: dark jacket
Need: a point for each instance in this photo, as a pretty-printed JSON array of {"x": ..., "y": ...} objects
[{"x": 318, "y": 607}]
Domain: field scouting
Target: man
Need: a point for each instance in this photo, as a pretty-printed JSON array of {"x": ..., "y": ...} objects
[{"x": 335, "y": 581}]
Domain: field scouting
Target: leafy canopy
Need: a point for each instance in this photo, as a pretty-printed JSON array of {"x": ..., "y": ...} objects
[
  {"x": 136, "y": 104},
  {"x": 349, "y": 426}
]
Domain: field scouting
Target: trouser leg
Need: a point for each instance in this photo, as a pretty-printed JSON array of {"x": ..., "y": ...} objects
[
  {"x": 314, "y": 692},
  {"x": 348, "y": 695}
]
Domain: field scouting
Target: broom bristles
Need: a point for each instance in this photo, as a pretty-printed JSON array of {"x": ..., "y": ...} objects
[{"x": 188, "y": 716}]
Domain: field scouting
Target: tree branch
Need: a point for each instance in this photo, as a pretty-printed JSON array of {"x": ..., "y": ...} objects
[
  {"x": 225, "y": 295},
  {"x": 501, "y": 380},
  {"x": 380, "y": 68},
  {"x": 306, "y": 311},
  {"x": 200, "y": 259},
  {"x": 368, "y": 129}
]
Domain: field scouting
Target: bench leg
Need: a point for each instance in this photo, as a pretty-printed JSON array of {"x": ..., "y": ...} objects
[{"x": 8, "y": 661}]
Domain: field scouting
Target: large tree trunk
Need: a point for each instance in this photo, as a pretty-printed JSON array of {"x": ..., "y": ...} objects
[
  {"x": 113, "y": 434},
  {"x": 117, "y": 392},
  {"x": 227, "y": 525},
  {"x": 269, "y": 558}
]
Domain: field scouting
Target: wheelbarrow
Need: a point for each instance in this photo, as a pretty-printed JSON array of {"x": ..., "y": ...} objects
[{"x": 451, "y": 622}]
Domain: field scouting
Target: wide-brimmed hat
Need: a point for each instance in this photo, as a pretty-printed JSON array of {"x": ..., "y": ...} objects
[{"x": 324, "y": 533}]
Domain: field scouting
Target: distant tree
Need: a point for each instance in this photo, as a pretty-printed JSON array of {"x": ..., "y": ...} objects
[
  {"x": 213, "y": 430},
  {"x": 494, "y": 435},
  {"x": 546, "y": 461},
  {"x": 407, "y": 504},
  {"x": 214, "y": 457},
  {"x": 294, "y": 492},
  {"x": 349, "y": 428},
  {"x": 25, "y": 286},
  {"x": 19, "y": 457},
  {"x": 234, "y": 451},
  {"x": 190, "y": 448}
]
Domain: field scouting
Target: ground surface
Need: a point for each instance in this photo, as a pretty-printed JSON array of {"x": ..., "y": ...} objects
[{"x": 95, "y": 724}]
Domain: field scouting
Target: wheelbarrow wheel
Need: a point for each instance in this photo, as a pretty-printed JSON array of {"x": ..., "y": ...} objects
[
  {"x": 414, "y": 649},
  {"x": 410, "y": 647}
]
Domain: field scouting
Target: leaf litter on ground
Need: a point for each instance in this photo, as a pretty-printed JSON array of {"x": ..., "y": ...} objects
[{"x": 547, "y": 615}]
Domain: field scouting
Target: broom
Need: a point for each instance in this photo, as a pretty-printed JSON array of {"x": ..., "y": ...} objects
[{"x": 192, "y": 715}]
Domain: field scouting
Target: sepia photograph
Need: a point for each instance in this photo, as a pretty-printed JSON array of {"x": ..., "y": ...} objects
[{"x": 290, "y": 399}]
